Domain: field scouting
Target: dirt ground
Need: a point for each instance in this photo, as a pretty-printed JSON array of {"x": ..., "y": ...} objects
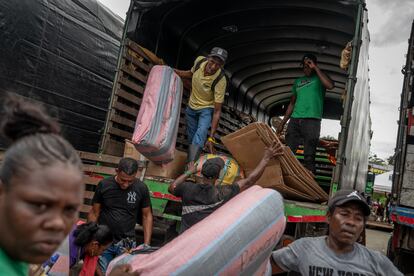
[{"x": 377, "y": 240}]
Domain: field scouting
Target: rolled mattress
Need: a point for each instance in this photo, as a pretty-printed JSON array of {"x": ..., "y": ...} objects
[
  {"x": 156, "y": 126},
  {"x": 237, "y": 239}
]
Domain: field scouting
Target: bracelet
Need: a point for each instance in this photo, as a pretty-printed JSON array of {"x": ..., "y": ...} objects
[
  {"x": 188, "y": 173},
  {"x": 212, "y": 140}
]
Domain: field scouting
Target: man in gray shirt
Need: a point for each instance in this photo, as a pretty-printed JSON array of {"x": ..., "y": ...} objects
[{"x": 337, "y": 254}]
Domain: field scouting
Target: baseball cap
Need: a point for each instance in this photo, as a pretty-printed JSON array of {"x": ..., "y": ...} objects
[
  {"x": 309, "y": 56},
  {"x": 219, "y": 52},
  {"x": 343, "y": 196},
  {"x": 212, "y": 167}
]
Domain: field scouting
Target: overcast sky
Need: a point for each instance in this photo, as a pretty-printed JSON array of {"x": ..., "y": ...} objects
[{"x": 389, "y": 24}]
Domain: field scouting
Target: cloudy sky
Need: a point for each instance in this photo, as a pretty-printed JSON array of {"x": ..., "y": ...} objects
[{"x": 390, "y": 24}]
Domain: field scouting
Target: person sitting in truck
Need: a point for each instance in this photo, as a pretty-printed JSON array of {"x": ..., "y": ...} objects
[
  {"x": 305, "y": 110},
  {"x": 41, "y": 187},
  {"x": 117, "y": 203},
  {"x": 208, "y": 87},
  {"x": 201, "y": 199},
  {"x": 338, "y": 253}
]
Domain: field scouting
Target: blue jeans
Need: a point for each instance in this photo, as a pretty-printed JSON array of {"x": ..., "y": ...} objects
[
  {"x": 113, "y": 251},
  {"x": 198, "y": 123}
]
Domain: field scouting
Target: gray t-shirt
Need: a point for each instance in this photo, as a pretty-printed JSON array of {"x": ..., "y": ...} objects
[{"x": 313, "y": 257}]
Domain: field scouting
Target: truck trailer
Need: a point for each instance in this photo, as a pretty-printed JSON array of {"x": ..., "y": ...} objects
[
  {"x": 401, "y": 243},
  {"x": 265, "y": 40}
]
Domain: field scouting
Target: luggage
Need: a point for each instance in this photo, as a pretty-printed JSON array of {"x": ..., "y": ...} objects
[
  {"x": 237, "y": 239},
  {"x": 228, "y": 175},
  {"x": 156, "y": 126}
]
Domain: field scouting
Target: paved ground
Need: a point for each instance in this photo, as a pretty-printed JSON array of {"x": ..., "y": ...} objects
[{"x": 377, "y": 240}]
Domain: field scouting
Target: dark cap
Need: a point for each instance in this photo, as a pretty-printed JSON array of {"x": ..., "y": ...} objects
[
  {"x": 212, "y": 167},
  {"x": 309, "y": 56},
  {"x": 219, "y": 52},
  {"x": 344, "y": 196}
]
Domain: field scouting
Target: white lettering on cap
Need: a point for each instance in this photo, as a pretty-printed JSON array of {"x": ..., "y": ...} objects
[
  {"x": 355, "y": 194},
  {"x": 220, "y": 51}
]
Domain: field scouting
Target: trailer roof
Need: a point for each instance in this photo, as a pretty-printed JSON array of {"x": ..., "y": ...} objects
[{"x": 266, "y": 40}]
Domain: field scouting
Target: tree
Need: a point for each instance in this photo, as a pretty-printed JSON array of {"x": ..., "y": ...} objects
[
  {"x": 374, "y": 159},
  {"x": 391, "y": 160}
]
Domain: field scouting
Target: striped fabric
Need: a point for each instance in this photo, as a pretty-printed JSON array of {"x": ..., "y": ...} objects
[
  {"x": 156, "y": 126},
  {"x": 237, "y": 239}
]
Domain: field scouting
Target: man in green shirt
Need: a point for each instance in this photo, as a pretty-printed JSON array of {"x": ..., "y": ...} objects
[{"x": 305, "y": 110}]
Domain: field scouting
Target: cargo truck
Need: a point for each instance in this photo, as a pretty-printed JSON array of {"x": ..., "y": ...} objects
[
  {"x": 401, "y": 243},
  {"x": 265, "y": 40}
]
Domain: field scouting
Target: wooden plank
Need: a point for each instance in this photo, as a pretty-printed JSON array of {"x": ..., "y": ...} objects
[
  {"x": 128, "y": 96},
  {"x": 122, "y": 120},
  {"x": 135, "y": 47},
  {"x": 88, "y": 194},
  {"x": 113, "y": 147},
  {"x": 134, "y": 74},
  {"x": 90, "y": 180},
  {"x": 128, "y": 57},
  {"x": 99, "y": 169},
  {"x": 132, "y": 85},
  {"x": 99, "y": 157},
  {"x": 121, "y": 133},
  {"x": 122, "y": 107},
  {"x": 85, "y": 208}
]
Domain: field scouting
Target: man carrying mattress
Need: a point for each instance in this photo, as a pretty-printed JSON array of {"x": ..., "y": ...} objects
[
  {"x": 208, "y": 86},
  {"x": 200, "y": 200},
  {"x": 338, "y": 253}
]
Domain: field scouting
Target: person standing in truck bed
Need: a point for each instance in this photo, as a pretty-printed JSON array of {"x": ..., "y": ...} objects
[
  {"x": 305, "y": 110},
  {"x": 208, "y": 87}
]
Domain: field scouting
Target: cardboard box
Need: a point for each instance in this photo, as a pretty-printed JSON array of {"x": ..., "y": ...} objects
[
  {"x": 172, "y": 169},
  {"x": 131, "y": 152},
  {"x": 248, "y": 138}
]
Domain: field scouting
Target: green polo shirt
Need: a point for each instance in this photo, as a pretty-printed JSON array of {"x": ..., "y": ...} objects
[
  {"x": 310, "y": 94},
  {"x": 11, "y": 267}
]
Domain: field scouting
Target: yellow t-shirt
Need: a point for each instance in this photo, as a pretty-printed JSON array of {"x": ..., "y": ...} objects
[{"x": 202, "y": 95}]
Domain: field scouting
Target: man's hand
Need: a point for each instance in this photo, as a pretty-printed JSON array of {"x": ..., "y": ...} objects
[
  {"x": 273, "y": 151},
  {"x": 192, "y": 167},
  {"x": 280, "y": 128},
  {"x": 209, "y": 147},
  {"x": 123, "y": 270},
  {"x": 310, "y": 63}
]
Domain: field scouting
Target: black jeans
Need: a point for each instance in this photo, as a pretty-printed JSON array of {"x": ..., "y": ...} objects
[{"x": 304, "y": 131}]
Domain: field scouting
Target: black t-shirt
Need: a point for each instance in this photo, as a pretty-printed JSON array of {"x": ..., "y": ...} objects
[
  {"x": 120, "y": 208},
  {"x": 200, "y": 200}
]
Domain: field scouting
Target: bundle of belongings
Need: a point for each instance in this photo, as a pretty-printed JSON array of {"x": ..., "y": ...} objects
[
  {"x": 224, "y": 243},
  {"x": 284, "y": 174},
  {"x": 156, "y": 126}
]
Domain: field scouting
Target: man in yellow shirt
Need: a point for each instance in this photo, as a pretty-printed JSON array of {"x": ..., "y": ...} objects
[{"x": 207, "y": 96}]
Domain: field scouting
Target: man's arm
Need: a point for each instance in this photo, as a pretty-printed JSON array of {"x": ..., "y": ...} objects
[
  {"x": 147, "y": 224},
  {"x": 184, "y": 74},
  {"x": 181, "y": 179},
  {"x": 276, "y": 269},
  {"x": 326, "y": 81},
  {"x": 93, "y": 214},
  {"x": 289, "y": 112},
  {"x": 214, "y": 125},
  {"x": 271, "y": 152}
]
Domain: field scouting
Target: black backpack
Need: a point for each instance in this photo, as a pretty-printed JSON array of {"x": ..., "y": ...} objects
[{"x": 219, "y": 77}]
